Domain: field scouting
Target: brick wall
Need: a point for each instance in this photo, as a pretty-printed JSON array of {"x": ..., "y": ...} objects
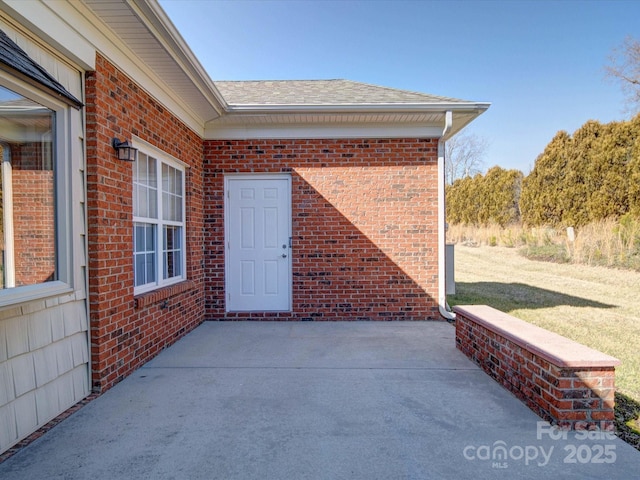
[
  {"x": 575, "y": 397},
  {"x": 364, "y": 225},
  {"x": 126, "y": 332}
]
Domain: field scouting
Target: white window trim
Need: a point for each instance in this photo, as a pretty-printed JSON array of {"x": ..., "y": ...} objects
[
  {"x": 63, "y": 198},
  {"x": 163, "y": 157}
]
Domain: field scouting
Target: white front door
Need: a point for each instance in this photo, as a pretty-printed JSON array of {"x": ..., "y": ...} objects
[{"x": 257, "y": 236}]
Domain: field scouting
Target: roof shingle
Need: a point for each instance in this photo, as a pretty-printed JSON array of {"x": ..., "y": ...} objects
[{"x": 320, "y": 92}]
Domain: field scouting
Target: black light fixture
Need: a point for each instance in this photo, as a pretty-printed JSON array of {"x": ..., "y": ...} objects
[{"x": 125, "y": 150}]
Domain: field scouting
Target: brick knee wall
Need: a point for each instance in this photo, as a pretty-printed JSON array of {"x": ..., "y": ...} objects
[{"x": 579, "y": 397}]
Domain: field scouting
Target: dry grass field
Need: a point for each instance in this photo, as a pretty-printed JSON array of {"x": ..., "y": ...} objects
[{"x": 608, "y": 243}]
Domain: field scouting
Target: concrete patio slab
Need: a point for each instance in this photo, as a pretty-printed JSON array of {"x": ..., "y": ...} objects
[{"x": 263, "y": 400}]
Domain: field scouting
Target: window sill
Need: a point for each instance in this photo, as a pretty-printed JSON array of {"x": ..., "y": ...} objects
[{"x": 149, "y": 298}]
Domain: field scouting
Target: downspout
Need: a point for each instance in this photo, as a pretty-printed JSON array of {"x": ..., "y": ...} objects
[{"x": 444, "y": 309}]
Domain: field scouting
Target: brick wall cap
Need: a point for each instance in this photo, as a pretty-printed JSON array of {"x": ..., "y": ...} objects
[{"x": 554, "y": 348}]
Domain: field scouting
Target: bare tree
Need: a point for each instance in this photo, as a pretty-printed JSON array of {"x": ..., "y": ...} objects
[
  {"x": 464, "y": 156},
  {"x": 624, "y": 66}
]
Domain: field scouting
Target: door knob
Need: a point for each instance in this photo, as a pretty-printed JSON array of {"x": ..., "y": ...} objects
[{"x": 284, "y": 255}]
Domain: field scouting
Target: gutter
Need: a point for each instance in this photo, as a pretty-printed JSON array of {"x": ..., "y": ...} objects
[
  {"x": 443, "y": 308},
  {"x": 435, "y": 107}
]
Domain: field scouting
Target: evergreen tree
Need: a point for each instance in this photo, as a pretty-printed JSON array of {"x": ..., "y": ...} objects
[
  {"x": 592, "y": 175},
  {"x": 542, "y": 189},
  {"x": 485, "y": 199}
]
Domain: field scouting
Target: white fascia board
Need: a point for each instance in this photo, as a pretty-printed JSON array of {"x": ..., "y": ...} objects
[
  {"x": 240, "y": 132},
  {"x": 477, "y": 107},
  {"x": 52, "y": 26},
  {"x": 166, "y": 32}
]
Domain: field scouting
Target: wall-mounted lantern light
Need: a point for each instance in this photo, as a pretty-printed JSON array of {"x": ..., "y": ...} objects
[{"x": 125, "y": 150}]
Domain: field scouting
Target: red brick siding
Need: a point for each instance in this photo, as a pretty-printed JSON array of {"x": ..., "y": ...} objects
[
  {"x": 364, "y": 225},
  {"x": 575, "y": 398},
  {"x": 126, "y": 333}
]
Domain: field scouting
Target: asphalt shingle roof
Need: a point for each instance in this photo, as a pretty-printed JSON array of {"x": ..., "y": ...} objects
[
  {"x": 13, "y": 56},
  {"x": 320, "y": 92}
]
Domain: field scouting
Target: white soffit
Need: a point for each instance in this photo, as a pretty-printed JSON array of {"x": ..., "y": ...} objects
[
  {"x": 142, "y": 29},
  {"x": 134, "y": 35},
  {"x": 336, "y": 125}
]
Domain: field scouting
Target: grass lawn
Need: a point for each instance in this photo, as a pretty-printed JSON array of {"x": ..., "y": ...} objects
[{"x": 596, "y": 306}]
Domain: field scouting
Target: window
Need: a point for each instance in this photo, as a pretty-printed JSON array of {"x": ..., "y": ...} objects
[
  {"x": 28, "y": 191},
  {"x": 159, "y": 227}
]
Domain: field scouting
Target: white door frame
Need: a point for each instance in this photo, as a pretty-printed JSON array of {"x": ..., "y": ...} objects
[{"x": 257, "y": 176}]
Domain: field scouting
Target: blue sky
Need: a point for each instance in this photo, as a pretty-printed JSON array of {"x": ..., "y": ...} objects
[{"x": 540, "y": 63}]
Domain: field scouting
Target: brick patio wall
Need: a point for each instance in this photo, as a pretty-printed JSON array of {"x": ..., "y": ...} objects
[
  {"x": 128, "y": 331},
  {"x": 364, "y": 225},
  {"x": 564, "y": 382}
]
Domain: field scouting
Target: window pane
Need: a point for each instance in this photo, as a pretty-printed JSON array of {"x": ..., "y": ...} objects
[
  {"x": 27, "y": 186},
  {"x": 140, "y": 208},
  {"x": 139, "y": 238},
  {"x": 168, "y": 238},
  {"x": 178, "y": 208},
  {"x": 153, "y": 174},
  {"x": 179, "y": 183},
  {"x": 150, "y": 245},
  {"x": 172, "y": 250},
  {"x": 153, "y": 204},
  {"x": 151, "y": 267},
  {"x": 141, "y": 170},
  {"x": 140, "y": 276},
  {"x": 177, "y": 256},
  {"x": 166, "y": 209},
  {"x": 171, "y": 194},
  {"x": 144, "y": 253},
  {"x": 146, "y": 170},
  {"x": 145, "y": 187},
  {"x": 165, "y": 178}
]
